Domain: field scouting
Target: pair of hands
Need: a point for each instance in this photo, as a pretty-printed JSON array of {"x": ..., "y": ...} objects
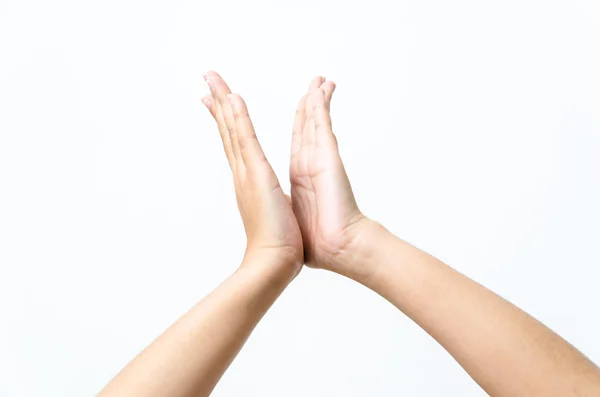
[{"x": 319, "y": 222}]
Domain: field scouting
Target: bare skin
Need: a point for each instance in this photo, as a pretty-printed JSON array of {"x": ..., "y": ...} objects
[
  {"x": 321, "y": 194},
  {"x": 506, "y": 351},
  {"x": 192, "y": 355}
]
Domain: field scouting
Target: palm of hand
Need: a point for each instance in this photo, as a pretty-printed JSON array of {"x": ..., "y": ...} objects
[
  {"x": 268, "y": 218},
  {"x": 267, "y": 215},
  {"x": 322, "y": 198}
]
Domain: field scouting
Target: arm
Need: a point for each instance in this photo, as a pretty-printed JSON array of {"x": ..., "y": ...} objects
[
  {"x": 192, "y": 355},
  {"x": 506, "y": 351}
]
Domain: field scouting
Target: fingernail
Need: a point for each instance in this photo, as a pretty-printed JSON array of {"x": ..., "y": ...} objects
[
  {"x": 211, "y": 87},
  {"x": 206, "y": 102}
]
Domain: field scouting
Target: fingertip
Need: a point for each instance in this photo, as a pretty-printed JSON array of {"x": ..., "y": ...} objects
[
  {"x": 316, "y": 83},
  {"x": 208, "y": 77},
  {"x": 211, "y": 73},
  {"x": 210, "y": 84},
  {"x": 207, "y": 102},
  {"x": 217, "y": 85},
  {"x": 328, "y": 87}
]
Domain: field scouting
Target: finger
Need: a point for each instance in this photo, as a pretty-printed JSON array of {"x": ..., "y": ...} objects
[
  {"x": 219, "y": 91},
  {"x": 315, "y": 83},
  {"x": 288, "y": 198},
  {"x": 208, "y": 103},
  {"x": 215, "y": 110},
  {"x": 329, "y": 88},
  {"x": 250, "y": 150},
  {"x": 308, "y": 137},
  {"x": 299, "y": 120},
  {"x": 322, "y": 120}
]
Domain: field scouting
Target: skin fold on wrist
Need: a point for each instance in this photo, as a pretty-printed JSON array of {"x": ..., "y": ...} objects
[
  {"x": 355, "y": 260},
  {"x": 272, "y": 267}
]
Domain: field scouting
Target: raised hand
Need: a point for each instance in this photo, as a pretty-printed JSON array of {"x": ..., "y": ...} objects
[
  {"x": 190, "y": 357},
  {"x": 269, "y": 222},
  {"x": 322, "y": 198}
]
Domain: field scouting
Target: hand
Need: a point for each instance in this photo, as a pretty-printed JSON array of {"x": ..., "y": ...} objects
[
  {"x": 270, "y": 225},
  {"x": 322, "y": 198}
]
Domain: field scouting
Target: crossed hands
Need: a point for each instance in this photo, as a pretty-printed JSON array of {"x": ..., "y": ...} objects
[{"x": 320, "y": 223}]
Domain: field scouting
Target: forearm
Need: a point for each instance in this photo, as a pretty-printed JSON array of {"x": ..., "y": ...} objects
[
  {"x": 505, "y": 350},
  {"x": 192, "y": 355}
]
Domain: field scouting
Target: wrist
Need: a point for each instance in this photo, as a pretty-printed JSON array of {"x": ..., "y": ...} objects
[
  {"x": 358, "y": 259},
  {"x": 273, "y": 265},
  {"x": 256, "y": 284}
]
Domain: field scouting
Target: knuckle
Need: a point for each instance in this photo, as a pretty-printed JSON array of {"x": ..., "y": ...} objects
[
  {"x": 231, "y": 131},
  {"x": 222, "y": 127}
]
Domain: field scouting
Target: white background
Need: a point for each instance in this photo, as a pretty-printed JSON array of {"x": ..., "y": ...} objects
[{"x": 469, "y": 128}]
